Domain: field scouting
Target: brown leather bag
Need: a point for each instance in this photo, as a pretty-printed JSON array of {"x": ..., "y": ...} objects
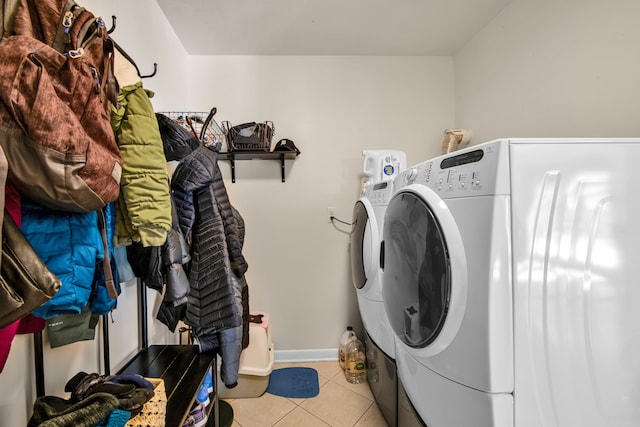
[
  {"x": 56, "y": 88},
  {"x": 25, "y": 281}
]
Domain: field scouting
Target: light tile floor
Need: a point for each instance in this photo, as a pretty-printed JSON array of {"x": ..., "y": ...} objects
[{"x": 339, "y": 404}]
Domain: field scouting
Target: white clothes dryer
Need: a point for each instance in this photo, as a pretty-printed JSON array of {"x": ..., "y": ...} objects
[
  {"x": 508, "y": 279},
  {"x": 368, "y": 215},
  {"x": 380, "y": 166}
]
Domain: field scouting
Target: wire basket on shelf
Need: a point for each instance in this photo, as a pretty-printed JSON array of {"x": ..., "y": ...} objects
[
  {"x": 250, "y": 136},
  {"x": 202, "y": 125}
]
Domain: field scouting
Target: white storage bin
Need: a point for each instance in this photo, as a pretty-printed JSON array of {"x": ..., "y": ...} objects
[{"x": 256, "y": 363}]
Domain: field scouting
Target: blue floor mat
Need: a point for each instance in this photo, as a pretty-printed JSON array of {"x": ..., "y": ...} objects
[{"x": 294, "y": 382}]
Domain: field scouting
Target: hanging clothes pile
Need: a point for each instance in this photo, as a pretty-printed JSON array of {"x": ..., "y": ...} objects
[{"x": 67, "y": 127}]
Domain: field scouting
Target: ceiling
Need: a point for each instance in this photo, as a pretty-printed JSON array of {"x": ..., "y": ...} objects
[{"x": 328, "y": 27}]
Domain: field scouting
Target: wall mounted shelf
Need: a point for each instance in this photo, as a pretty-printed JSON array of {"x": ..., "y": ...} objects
[{"x": 232, "y": 156}]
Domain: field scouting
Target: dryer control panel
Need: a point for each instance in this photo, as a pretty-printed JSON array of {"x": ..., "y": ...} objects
[
  {"x": 480, "y": 170},
  {"x": 379, "y": 194}
]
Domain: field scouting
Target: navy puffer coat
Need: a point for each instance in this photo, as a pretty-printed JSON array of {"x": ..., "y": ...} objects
[{"x": 207, "y": 222}]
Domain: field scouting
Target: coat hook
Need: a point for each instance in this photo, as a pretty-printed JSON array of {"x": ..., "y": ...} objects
[
  {"x": 113, "y": 24},
  {"x": 128, "y": 58},
  {"x": 155, "y": 70}
]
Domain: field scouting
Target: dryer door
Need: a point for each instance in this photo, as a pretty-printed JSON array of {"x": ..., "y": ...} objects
[
  {"x": 423, "y": 254},
  {"x": 364, "y": 244}
]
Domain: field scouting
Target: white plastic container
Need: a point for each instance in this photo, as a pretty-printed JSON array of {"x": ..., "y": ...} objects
[
  {"x": 344, "y": 340},
  {"x": 256, "y": 364}
]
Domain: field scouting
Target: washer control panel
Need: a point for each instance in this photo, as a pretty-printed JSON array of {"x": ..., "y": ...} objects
[
  {"x": 474, "y": 171},
  {"x": 455, "y": 179}
]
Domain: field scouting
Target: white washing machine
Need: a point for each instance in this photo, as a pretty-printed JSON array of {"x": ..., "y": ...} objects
[
  {"x": 380, "y": 166},
  {"x": 508, "y": 281},
  {"x": 447, "y": 287}
]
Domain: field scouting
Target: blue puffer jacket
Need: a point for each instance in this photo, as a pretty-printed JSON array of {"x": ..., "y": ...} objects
[{"x": 71, "y": 246}]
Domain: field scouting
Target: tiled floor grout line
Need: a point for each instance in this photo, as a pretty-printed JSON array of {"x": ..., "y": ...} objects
[
  {"x": 285, "y": 415},
  {"x": 363, "y": 414},
  {"x": 315, "y": 416}
]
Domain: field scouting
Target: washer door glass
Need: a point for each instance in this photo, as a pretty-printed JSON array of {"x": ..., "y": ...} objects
[
  {"x": 359, "y": 232},
  {"x": 417, "y": 271}
]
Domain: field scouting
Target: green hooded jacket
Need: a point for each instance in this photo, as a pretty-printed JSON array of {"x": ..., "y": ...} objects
[{"x": 143, "y": 209}]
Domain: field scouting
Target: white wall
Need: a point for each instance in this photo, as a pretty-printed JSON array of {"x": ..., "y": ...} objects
[
  {"x": 333, "y": 108},
  {"x": 144, "y": 33},
  {"x": 552, "y": 68}
]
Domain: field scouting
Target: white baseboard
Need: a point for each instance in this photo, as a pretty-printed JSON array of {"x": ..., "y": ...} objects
[{"x": 314, "y": 355}]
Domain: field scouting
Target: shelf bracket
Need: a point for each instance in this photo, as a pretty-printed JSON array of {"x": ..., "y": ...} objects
[
  {"x": 282, "y": 166},
  {"x": 232, "y": 160}
]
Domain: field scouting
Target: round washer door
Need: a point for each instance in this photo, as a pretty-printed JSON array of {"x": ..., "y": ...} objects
[
  {"x": 424, "y": 279},
  {"x": 365, "y": 241}
]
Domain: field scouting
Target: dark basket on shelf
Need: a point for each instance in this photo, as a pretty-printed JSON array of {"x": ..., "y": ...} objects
[{"x": 249, "y": 136}]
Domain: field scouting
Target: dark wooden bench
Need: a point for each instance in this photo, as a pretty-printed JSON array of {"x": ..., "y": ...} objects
[{"x": 183, "y": 370}]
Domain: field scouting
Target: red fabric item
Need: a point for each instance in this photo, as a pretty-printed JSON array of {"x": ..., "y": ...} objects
[
  {"x": 27, "y": 325},
  {"x": 31, "y": 324},
  {"x": 12, "y": 203}
]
